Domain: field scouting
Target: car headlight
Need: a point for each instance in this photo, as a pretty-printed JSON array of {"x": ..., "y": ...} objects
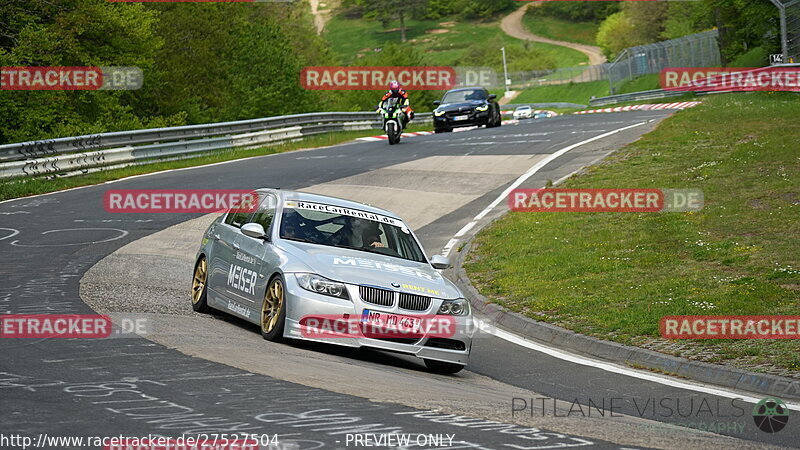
[
  {"x": 321, "y": 285},
  {"x": 457, "y": 307},
  {"x": 482, "y": 108},
  {"x": 438, "y": 113}
]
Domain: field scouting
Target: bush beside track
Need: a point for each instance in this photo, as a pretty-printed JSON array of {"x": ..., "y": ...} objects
[{"x": 614, "y": 275}]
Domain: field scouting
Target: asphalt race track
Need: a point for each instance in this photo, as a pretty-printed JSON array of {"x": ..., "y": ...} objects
[{"x": 193, "y": 374}]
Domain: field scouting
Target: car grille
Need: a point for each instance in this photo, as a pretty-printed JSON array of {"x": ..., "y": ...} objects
[
  {"x": 414, "y": 302},
  {"x": 466, "y": 112},
  {"x": 376, "y": 296}
]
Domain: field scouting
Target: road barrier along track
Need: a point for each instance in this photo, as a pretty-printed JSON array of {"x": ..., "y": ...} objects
[{"x": 82, "y": 154}]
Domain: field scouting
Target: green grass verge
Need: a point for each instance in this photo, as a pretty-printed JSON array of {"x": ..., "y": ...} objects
[
  {"x": 443, "y": 45},
  {"x": 755, "y": 57},
  {"x": 643, "y": 83},
  {"x": 33, "y": 186},
  {"x": 561, "y": 30},
  {"x": 614, "y": 275},
  {"x": 579, "y": 93}
]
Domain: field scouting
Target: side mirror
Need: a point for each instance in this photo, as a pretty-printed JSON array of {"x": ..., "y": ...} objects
[
  {"x": 440, "y": 262},
  {"x": 436, "y": 103},
  {"x": 492, "y": 96},
  {"x": 254, "y": 230}
]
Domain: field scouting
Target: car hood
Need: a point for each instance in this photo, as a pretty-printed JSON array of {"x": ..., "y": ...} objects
[
  {"x": 358, "y": 267},
  {"x": 453, "y": 107}
]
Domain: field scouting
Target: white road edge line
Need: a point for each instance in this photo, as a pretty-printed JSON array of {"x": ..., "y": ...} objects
[
  {"x": 522, "y": 178},
  {"x": 610, "y": 367}
]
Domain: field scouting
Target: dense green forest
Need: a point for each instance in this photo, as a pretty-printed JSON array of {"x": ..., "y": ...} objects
[
  {"x": 207, "y": 62},
  {"x": 743, "y": 24}
]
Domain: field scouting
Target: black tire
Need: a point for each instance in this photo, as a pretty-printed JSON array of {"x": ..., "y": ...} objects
[
  {"x": 443, "y": 367},
  {"x": 496, "y": 121},
  {"x": 199, "y": 292},
  {"x": 390, "y": 132},
  {"x": 272, "y": 330}
]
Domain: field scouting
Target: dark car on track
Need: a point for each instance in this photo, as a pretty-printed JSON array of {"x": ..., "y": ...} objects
[{"x": 465, "y": 107}]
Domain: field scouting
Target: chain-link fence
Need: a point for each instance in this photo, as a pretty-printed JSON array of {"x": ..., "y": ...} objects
[
  {"x": 790, "y": 29},
  {"x": 697, "y": 50}
]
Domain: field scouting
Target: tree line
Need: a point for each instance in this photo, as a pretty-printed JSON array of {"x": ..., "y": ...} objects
[{"x": 743, "y": 24}]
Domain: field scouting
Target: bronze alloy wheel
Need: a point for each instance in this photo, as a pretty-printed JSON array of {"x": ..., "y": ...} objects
[
  {"x": 199, "y": 282},
  {"x": 273, "y": 311},
  {"x": 199, "y": 286}
]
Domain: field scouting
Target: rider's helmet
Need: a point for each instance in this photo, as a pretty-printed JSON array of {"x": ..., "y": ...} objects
[{"x": 394, "y": 86}]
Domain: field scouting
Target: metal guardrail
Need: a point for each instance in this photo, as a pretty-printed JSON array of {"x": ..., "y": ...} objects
[
  {"x": 635, "y": 97},
  {"x": 80, "y": 154}
]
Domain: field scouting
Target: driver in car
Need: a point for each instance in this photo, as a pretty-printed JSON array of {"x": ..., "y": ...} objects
[
  {"x": 372, "y": 236},
  {"x": 357, "y": 233},
  {"x": 291, "y": 226}
]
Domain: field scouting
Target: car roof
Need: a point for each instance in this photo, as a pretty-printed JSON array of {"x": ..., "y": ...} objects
[
  {"x": 328, "y": 200},
  {"x": 523, "y": 107},
  {"x": 467, "y": 89}
]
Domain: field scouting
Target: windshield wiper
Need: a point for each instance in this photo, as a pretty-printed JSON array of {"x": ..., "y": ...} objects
[{"x": 300, "y": 240}]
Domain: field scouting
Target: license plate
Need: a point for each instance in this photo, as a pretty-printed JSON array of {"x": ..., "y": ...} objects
[
  {"x": 461, "y": 118},
  {"x": 392, "y": 325}
]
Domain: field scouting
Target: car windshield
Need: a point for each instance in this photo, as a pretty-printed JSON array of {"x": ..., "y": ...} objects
[
  {"x": 336, "y": 226},
  {"x": 523, "y": 108},
  {"x": 463, "y": 96}
]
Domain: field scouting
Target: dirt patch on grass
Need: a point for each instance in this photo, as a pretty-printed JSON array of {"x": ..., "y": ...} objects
[{"x": 438, "y": 31}]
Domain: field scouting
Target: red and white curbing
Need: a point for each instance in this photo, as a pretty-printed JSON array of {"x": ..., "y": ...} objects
[
  {"x": 649, "y": 107},
  {"x": 510, "y": 112},
  {"x": 384, "y": 137}
]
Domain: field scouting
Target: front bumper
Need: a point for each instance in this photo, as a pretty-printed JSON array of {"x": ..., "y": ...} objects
[
  {"x": 473, "y": 119},
  {"x": 300, "y": 304}
]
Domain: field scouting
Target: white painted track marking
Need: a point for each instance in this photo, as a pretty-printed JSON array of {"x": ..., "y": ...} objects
[
  {"x": 522, "y": 178},
  {"x": 609, "y": 367}
]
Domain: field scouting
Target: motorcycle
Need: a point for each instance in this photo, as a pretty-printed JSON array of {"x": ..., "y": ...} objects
[{"x": 392, "y": 119}]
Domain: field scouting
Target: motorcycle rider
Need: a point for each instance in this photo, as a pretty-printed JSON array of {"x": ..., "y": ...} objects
[{"x": 397, "y": 91}]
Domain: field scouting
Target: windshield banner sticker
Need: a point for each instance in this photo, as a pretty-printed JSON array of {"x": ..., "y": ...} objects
[{"x": 344, "y": 211}]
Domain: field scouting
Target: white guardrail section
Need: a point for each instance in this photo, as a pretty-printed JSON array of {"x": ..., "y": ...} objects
[{"x": 84, "y": 154}]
